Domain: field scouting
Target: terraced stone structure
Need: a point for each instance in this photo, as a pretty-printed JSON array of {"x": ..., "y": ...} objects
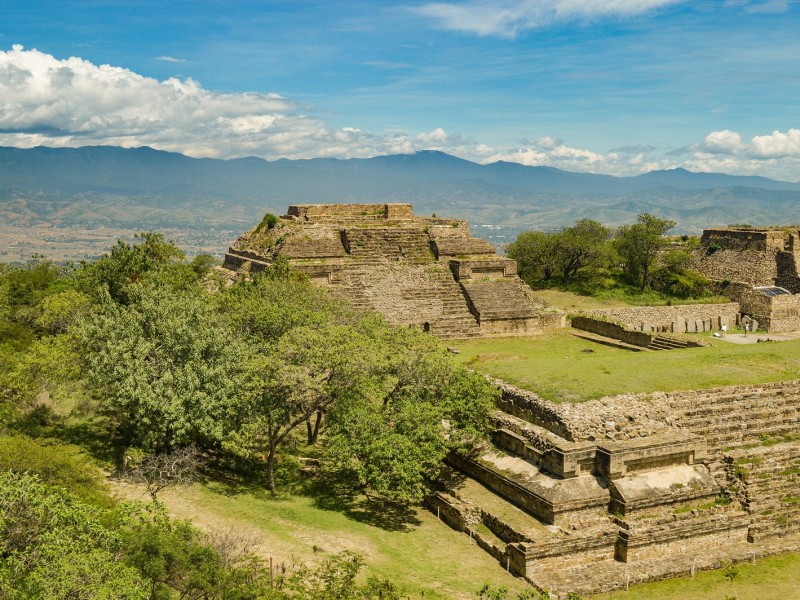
[
  {"x": 598, "y": 495},
  {"x": 422, "y": 272},
  {"x": 747, "y": 263}
]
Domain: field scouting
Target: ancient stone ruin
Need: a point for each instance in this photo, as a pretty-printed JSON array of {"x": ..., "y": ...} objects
[
  {"x": 428, "y": 273},
  {"x": 758, "y": 269},
  {"x": 600, "y": 495},
  {"x": 591, "y": 496}
]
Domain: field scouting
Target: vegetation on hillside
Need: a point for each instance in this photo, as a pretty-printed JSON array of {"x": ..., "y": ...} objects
[
  {"x": 166, "y": 374},
  {"x": 637, "y": 263}
]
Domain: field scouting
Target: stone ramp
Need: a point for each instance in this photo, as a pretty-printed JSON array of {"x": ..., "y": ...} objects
[{"x": 498, "y": 299}]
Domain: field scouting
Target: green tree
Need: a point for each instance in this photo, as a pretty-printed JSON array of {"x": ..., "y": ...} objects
[
  {"x": 543, "y": 255},
  {"x": 164, "y": 368},
  {"x": 273, "y": 303},
  {"x": 127, "y": 264},
  {"x": 580, "y": 246},
  {"x": 304, "y": 374},
  {"x": 639, "y": 245},
  {"x": 676, "y": 277},
  {"x": 536, "y": 255},
  {"x": 53, "y": 546},
  {"x": 394, "y": 440}
]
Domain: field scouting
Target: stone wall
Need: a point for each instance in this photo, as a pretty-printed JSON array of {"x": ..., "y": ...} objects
[
  {"x": 759, "y": 240},
  {"x": 773, "y": 313},
  {"x": 340, "y": 212},
  {"x": 612, "y": 330},
  {"x": 679, "y": 318},
  {"x": 750, "y": 266},
  {"x": 681, "y": 534},
  {"x": 726, "y": 416}
]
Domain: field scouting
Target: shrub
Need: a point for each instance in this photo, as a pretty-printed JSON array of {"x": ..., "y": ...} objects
[
  {"x": 60, "y": 465},
  {"x": 268, "y": 222}
]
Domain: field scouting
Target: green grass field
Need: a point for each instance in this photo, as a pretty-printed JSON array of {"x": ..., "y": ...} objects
[
  {"x": 772, "y": 578},
  {"x": 417, "y": 552},
  {"x": 408, "y": 546},
  {"x": 561, "y": 367}
]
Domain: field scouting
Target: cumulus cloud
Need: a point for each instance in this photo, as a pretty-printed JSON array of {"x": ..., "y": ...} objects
[
  {"x": 776, "y": 145},
  {"x": 722, "y": 142},
  {"x": 73, "y": 102},
  {"x": 775, "y": 155},
  {"x": 508, "y": 18},
  {"x": 555, "y": 153}
]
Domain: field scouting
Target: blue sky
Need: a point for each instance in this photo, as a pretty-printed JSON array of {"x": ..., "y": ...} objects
[{"x": 609, "y": 86}]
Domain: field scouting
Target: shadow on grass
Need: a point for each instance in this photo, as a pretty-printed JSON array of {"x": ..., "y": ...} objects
[
  {"x": 328, "y": 491},
  {"x": 333, "y": 491},
  {"x": 93, "y": 434}
]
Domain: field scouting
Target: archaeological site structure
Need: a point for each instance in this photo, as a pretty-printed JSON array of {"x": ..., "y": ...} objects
[
  {"x": 597, "y": 495},
  {"x": 423, "y": 272}
]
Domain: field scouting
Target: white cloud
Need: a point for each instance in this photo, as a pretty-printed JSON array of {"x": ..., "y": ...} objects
[
  {"x": 722, "y": 142},
  {"x": 776, "y": 155},
  {"x": 776, "y": 145},
  {"x": 554, "y": 153},
  {"x": 508, "y": 18},
  {"x": 438, "y": 138},
  {"x": 171, "y": 59},
  {"x": 72, "y": 102}
]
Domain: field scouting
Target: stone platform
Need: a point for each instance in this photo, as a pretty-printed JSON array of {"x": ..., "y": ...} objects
[
  {"x": 428, "y": 273},
  {"x": 596, "y": 496}
]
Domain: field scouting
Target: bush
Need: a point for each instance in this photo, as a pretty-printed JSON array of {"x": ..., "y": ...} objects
[
  {"x": 60, "y": 465},
  {"x": 268, "y": 222}
]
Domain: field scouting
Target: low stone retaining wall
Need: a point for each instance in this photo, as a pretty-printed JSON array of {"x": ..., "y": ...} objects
[
  {"x": 675, "y": 319},
  {"x": 612, "y": 330},
  {"x": 502, "y": 486}
]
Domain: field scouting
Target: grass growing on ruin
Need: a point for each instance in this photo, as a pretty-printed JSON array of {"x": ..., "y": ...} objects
[
  {"x": 410, "y": 547},
  {"x": 562, "y": 367},
  {"x": 771, "y": 578}
]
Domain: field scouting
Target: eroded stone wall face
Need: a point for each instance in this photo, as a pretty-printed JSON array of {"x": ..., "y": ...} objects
[
  {"x": 672, "y": 319},
  {"x": 745, "y": 239},
  {"x": 754, "y": 267}
]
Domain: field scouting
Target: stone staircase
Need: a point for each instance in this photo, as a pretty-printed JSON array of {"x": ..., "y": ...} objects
[
  {"x": 419, "y": 295},
  {"x": 379, "y": 245},
  {"x": 769, "y": 477},
  {"x": 734, "y": 417},
  {"x": 666, "y": 343}
]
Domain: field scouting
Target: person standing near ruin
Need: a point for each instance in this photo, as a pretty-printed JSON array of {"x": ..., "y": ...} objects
[
  {"x": 724, "y": 330},
  {"x": 746, "y": 329}
]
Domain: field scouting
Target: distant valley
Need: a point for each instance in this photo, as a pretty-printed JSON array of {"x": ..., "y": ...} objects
[{"x": 72, "y": 203}]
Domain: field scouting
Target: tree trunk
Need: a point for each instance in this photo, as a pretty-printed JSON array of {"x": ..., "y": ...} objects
[
  {"x": 271, "y": 459},
  {"x": 313, "y": 432}
]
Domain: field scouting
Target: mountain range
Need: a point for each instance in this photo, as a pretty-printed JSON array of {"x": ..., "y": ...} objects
[{"x": 127, "y": 189}]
